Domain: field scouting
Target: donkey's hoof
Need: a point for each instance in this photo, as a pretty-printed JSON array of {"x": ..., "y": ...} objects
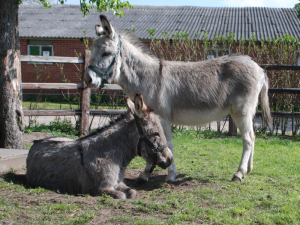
[
  {"x": 236, "y": 178},
  {"x": 119, "y": 195},
  {"x": 131, "y": 194},
  {"x": 144, "y": 177},
  {"x": 170, "y": 181},
  {"x": 170, "y": 178}
]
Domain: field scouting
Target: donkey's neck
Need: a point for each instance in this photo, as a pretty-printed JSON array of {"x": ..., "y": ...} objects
[
  {"x": 138, "y": 72},
  {"x": 133, "y": 137},
  {"x": 123, "y": 130}
]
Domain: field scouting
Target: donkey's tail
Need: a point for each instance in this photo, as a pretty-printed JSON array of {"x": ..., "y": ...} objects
[{"x": 265, "y": 108}]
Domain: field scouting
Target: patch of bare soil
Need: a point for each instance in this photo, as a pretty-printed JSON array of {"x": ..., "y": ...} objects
[
  {"x": 156, "y": 181},
  {"x": 102, "y": 215},
  {"x": 30, "y": 137}
]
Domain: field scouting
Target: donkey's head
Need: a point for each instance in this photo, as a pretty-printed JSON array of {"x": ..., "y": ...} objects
[
  {"x": 105, "y": 56},
  {"x": 152, "y": 146}
]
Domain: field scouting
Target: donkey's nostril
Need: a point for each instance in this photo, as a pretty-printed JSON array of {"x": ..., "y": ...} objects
[
  {"x": 169, "y": 162},
  {"x": 162, "y": 164},
  {"x": 90, "y": 80}
]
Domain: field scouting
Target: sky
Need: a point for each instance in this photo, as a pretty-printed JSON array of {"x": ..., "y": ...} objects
[{"x": 211, "y": 3}]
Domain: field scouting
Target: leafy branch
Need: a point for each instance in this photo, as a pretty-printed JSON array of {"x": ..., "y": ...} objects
[
  {"x": 86, "y": 5},
  {"x": 297, "y": 7}
]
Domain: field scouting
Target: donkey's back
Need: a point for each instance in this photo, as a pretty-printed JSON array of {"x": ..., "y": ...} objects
[
  {"x": 55, "y": 163},
  {"x": 209, "y": 90}
]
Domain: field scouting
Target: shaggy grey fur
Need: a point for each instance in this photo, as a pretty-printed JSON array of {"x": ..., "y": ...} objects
[{"x": 96, "y": 163}]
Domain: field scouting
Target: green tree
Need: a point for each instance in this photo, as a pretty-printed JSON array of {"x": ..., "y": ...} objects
[
  {"x": 297, "y": 6},
  {"x": 11, "y": 113},
  {"x": 86, "y": 5}
]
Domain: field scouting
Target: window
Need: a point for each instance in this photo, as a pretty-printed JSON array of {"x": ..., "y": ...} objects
[
  {"x": 213, "y": 53},
  {"x": 40, "y": 47}
]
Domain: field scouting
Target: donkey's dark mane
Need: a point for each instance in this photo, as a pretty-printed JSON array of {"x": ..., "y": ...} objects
[
  {"x": 137, "y": 43},
  {"x": 106, "y": 127}
]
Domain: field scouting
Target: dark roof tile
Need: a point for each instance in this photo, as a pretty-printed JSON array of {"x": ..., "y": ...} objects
[{"x": 68, "y": 22}]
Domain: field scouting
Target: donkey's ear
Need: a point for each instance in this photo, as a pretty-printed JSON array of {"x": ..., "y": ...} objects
[
  {"x": 129, "y": 104},
  {"x": 140, "y": 108},
  {"x": 99, "y": 30},
  {"x": 109, "y": 30}
]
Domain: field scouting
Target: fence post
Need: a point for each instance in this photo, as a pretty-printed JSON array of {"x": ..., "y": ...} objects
[
  {"x": 85, "y": 98},
  {"x": 232, "y": 129}
]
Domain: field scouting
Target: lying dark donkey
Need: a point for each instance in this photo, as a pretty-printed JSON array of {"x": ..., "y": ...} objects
[{"x": 96, "y": 163}]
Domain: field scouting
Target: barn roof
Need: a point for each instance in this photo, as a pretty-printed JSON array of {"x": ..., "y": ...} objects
[{"x": 66, "y": 21}]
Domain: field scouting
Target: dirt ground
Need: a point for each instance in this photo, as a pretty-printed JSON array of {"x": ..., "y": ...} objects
[
  {"x": 103, "y": 215},
  {"x": 155, "y": 182},
  {"x": 157, "y": 178},
  {"x": 30, "y": 137}
]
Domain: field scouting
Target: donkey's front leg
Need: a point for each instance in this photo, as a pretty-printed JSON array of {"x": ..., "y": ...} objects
[
  {"x": 130, "y": 193},
  {"x": 172, "y": 169},
  {"x": 112, "y": 192},
  {"x": 168, "y": 133},
  {"x": 144, "y": 177}
]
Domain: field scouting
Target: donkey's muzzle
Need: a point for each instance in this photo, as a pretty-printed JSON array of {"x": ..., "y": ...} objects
[
  {"x": 92, "y": 80},
  {"x": 165, "y": 158},
  {"x": 163, "y": 164}
]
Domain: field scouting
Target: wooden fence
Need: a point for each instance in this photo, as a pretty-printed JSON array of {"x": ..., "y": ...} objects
[
  {"x": 85, "y": 92},
  {"x": 84, "y": 112}
]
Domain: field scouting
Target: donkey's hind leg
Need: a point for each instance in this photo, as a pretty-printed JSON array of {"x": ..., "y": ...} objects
[
  {"x": 245, "y": 125},
  {"x": 130, "y": 193},
  {"x": 250, "y": 162}
]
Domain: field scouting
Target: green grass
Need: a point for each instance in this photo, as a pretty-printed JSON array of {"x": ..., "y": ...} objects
[
  {"x": 63, "y": 106},
  {"x": 269, "y": 195},
  {"x": 59, "y": 127},
  {"x": 72, "y": 133},
  {"x": 48, "y": 105}
]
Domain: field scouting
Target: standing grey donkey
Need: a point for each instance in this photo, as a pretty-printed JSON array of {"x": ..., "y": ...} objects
[
  {"x": 183, "y": 93},
  {"x": 96, "y": 163}
]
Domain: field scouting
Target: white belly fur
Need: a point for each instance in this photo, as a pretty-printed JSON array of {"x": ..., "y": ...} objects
[{"x": 196, "y": 117}]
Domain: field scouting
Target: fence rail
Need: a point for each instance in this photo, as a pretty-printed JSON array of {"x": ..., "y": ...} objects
[
  {"x": 52, "y": 112},
  {"x": 51, "y": 59},
  {"x": 65, "y": 86},
  {"x": 280, "y": 114},
  {"x": 85, "y": 110},
  {"x": 284, "y": 90},
  {"x": 279, "y": 67}
]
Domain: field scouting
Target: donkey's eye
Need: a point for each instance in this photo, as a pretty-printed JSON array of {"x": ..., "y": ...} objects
[{"x": 105, "y": 54}]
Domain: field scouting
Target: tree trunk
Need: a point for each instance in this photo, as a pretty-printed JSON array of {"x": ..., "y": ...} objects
[{"x": 11, "y": 113}]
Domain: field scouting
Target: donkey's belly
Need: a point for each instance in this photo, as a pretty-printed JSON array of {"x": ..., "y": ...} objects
[{"x": 197, "y": 117}]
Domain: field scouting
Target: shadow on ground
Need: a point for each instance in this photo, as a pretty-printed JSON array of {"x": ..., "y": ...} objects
[
  {"x": 15, "y": 178},
  {"x": 156, "y": 181}
]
